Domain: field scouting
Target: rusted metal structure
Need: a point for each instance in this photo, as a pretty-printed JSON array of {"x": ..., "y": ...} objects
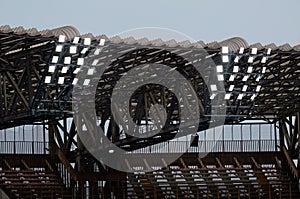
[{"x": 42, "y": 156}]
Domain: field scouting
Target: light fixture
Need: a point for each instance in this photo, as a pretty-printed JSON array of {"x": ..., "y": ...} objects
[
  {"x": 258, "y": 87},
  {"x": 250, "y": 59},
  {"x": 258, "y": 78},
  {"x": 102, "y": 42},
  {"x": 90, "y": 71},
  {"x": 231, "y": 87},
  {"x": 54, "y": 59},
  {"x": 241, "y": 50},
  {"x": 254, "y": 51},
  {"x": 213, "y": 96},
  {"x": 213, "y": 87},
  {"x": 51, "y": 69},
  {"x": 227, "y": 96},
  {"x": 231, "y": 78},
  {"x": 97, "y": 51},
  {"x": 61, "y": 80},
  {"x": 76, "y": 70},
  {"x": 220, "y": 78},
  {"x": 84, "y": 50},
  {"x": 263, "y": 69},
  {"x": 58, "y": 48},
  {"x": 269, "y": 51},
  {"x": 67, "y": 60},
  {"x": 95, "y": 62},
  {"x": 250, "y": 69},
  {"x": 87, "y": 41},
  {"x": 244, "y": 88},
  {"x": 64, "y": 69},
  {"x": 253, "y": 97},
  {"x": 236, "y": 59},
  {"x": 47, "y": 79},
  {"x": 240, "y": 96},
  {"x": 264, "y": 60},
  {"x": 86, "y": 82},
  {"x": 75, "y": 80},
  {"x": 235, "y": 69},
  {"x": 73, "y": 49},
  {"x": 225, "y": 59},
  {"x": 62, "y": 38},
  {"x": 76, "y": 40},
  {"x": 80, "y": 61},
  {"x": 245, "y": 78},
  {"x": 219, "y": 68},
  {"x": 225, "y": 50}
]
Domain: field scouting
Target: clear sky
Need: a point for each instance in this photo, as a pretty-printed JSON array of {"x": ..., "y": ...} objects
[{"x": 264, "y": 21}]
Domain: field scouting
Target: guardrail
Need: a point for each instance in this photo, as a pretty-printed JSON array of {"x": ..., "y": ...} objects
[{"x": 24, "y": 147}]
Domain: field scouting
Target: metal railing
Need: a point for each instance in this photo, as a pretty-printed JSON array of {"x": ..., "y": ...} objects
[{"x": 24, "y": 147}]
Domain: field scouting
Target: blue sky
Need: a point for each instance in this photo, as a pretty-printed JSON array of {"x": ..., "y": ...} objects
[{"x": 264, "y": 21}]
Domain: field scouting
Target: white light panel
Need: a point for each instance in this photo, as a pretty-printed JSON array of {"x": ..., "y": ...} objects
[
  {"x": 90, "y": 71},
  {"x": 61, "y": 80},
  {"x": 213, "y": 96},
  {"x": 62, "y": 38},
  {"x": 258, "y": 87},
  {"x": 269, "y": 51},
  {"x": 220, "y": 78},
  {"x": 264, "y": 60},
  {"x": 225, "y": 59},
  {"x": 58, "y": 48},
  {"x": 87, "y": 41},
  {"x": 73, "y": 49},
  {"x": 245, "y": 88},
  {"x": 254, "y": 51},
  {"x": 75, "y": 80},
  {"x": 97, "y": 51},
  {"x": 95, "y": 62},
  {"x": 219, "y": 68},
  {"x": 67, "y": 60},
  {"x": 51, "y": 69},
  {"x": 64, "y": 69},
  {"x": 235, "y": 69},
  {"x": 80, "y": 61},
  {"x": 250, "y": 60},
  {"x": 76, "y": 40},
  {"x": 245, "y": 78},
  {"x": 258, "y": 78},
  {"x": 102, "y": 42},
  {"x": 86, "y": 82},
  {"x": 253, "y": 97},
  {"x": 241, "y": 50},
  {"x": 227, "y": 96},
  {"x": 236, "y": 59},
  {"x": 250, "y": 69},
  {"x": 231, "y": 87},
  {"x": 263, "y": 70},
  {"x": 54, "y": 59},
  {"x": 231, "y": 78},
  {"x": 225, "y": 50},
  {"x": 76, "y": 70},
  {"x": 240, "y": 96},
  {"x": 47, "y": 79},
  {"x": 84, "y": 50},
  {"x": 213, "y": 87}
]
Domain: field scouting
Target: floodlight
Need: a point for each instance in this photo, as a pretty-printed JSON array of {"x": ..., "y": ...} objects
[
  {"x": 213, "y": 87},
  {"x": 244, "y": 88},
  {"x": 231, "y": 87},
  {"x": 269, "y": 51},
  {"x": 75, "y": 80},
  {"x": 64, "y": 69},
  {"x": 236, "y": 59},
  {"x": 95, "y": 62},
  {"x": 235, "y": 69},
  {"x": 253, "y": 97},
  {"x": 250, "y": 59},
  {"x": 250, "y": 69},
  {"x": 87, "y": 41},
  {"x": 264, "y": 60},
  {"x": 84, "y": 50},
  {"x": 90, "y": 71},
  {"x": 263, "y": 70},
  {"x": 245, "y": 78},
  {"x": 58, "y": 48},
  {"x": 219, "y": 68},
  {"x": 73, "y": 49},
  {"x": 67, "y": 60},
  {"x": 51, "y": 69},
  {"x": 47, "y": 79},
  {"x": 227, "y": 96},
  {"x": 240, "y": 96},
  {"x": 80, "y": 61},
  {"x": 231, "y": 78},
  {"x": 54, "y": 59},
  {"x": 97, "y": 51},
  {"x": 225, "y": 58},
  {"x": 254, "y": 51},
  {"x": 220, "y": 78},
  {"x": 62, "y": 38},
  {"x": 76, "y": 70},
  {"x": 61, "y": 80},
  {"x": 76, "y": 40},
  {"x": 213, "y": 96},
  {"x": 241, "y": 50},
  {"x": 258, "y": 87},
  {"x": 225, "y": 50},
  {"x": 86, "y": 82},
  {"x": 102, "y": 42}
]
